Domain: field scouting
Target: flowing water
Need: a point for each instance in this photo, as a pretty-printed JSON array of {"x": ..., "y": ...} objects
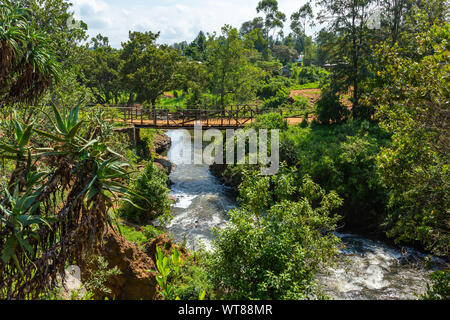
[{"x": 367, "y": 269}]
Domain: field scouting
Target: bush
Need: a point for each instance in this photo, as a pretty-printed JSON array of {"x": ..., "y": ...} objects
[
  {"x": 342, "y": 158},
  {"x": 270, "y": 121},
  {"x": 193, "y": 280},
  {"x": 330, "y": 109},
  {"x": 279, "y": 101},
  {"x": 301, "y": 103},
  {"x": 440, "y": 286},
  {"x": 273, "y": 246},
  {"x": 151, "y": 196},
  {"x": 272, "y": 88},
  {"x": 304, "y": 75}
]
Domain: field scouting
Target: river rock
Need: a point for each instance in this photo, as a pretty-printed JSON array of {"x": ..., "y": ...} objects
[
  {"x": 161, "y": 144},
  {"x": 164, "y": 164}
]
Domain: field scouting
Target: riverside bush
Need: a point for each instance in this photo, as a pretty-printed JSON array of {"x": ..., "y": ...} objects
[
  {"x": 272, "y": 249},
  {"x": 151, "y": 196},
  {"x": 342, "y": 158}
]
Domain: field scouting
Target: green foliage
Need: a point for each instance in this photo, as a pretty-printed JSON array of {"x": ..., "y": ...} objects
[
  {"x": 169, "y": 270},
  {"x": 232, "y": 77},
  {"x": 413, "y": 103},
  {"x": 151, "y": 183},
  {"x": 440, "y": 286},
  {"x": 150, "y": 232},
  {"x": 101, "y": 72},
  {"x": 279, "y": 101},
  {"x": 50, "y": 194},
  {"x": 28, "y": 62},
  {"x": 342, "y": 158},
  {"x": 285, "y": 54},
  {"x": 269, "y": 121},
  {"x": 193, "y": 283},
  {"x": 271, "y": 249},
  {"x": 273, "y": 88},
  {"x": 133, "y": 235},
  {"x": 99, "y": 274},
  {"x": 305, "y": 75},
  {"x": 148, "y": 69},
  {"x": 330, "y": 109}
]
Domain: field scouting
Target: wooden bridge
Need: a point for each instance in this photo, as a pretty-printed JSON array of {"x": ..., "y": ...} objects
[{"x": 176, "y": 117}]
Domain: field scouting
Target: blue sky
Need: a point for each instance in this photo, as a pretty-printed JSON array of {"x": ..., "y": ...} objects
[{"x": 177, "y": 20}]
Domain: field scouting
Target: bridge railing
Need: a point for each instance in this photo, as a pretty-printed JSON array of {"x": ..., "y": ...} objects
[{"x": 232, "y": 116}]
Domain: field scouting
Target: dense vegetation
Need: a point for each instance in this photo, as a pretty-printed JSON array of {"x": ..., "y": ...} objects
[{"x": 374, "y": 159}]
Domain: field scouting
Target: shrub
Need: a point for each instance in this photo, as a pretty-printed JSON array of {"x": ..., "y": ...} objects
[
  {"x": 272, "y": 88},
  {"x": 342, "y": 158},
  {"x": 270, "y": 121},
  {"x": 440, "y": 286},
  {"x": 279, "y": 101},
  {"x": 330, "y": 109},
  {"x": 151, "y": 196},
  {"x": 271, "y": 249},
  {"x": 309, "y": 74}
]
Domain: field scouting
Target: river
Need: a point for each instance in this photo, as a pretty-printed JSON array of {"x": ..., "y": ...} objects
[{"x": 367, "y": 269}]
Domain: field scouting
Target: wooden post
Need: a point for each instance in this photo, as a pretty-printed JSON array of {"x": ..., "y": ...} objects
[
  {"x": 154, "y": 117},
  {"x": 167, "y": 115}
]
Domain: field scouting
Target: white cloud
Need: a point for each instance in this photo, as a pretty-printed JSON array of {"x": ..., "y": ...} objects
[{"x": 177, "y": 20}]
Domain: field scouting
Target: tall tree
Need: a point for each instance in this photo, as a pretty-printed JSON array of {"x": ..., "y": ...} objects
[
  {"x": 197, "y": 49},
  {"x": 54, "y": 17},
  {"x": 148, "y": 69},
  {"x": 101, "y": 71},
  {"x": 412, "y": 98},
  {"x": 274, "y": 18},
  {"x": 299, "y": 21},
  {"x": 232, "y": 77},
  {"x": 348, "y": 20}
]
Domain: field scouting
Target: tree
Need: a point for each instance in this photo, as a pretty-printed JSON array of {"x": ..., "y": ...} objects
[
  {"x": 299, "y": 20},
  {"x": 273, "y": 17},
  {"x": 197, "y": 49},
  {"x": 53, "y": 17},
  {"x": 101, "y": 71},
  {"x": 232, "y": 77},
  {"x": 285, "y": 54},
  {"x": 28, "y": 64},
  {"x": 326, "y": 44},
  {"x": 249, "y": 26},
  {"x": 413, "y": 104},
  {"x": 148, "y": 69},
  {"x": 348, "y": 20}
]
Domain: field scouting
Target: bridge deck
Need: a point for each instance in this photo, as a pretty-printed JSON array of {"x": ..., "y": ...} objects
[{"x": 212, "y": 123}]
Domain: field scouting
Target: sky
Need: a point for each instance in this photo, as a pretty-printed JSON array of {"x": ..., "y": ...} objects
[{"x": 177, "y": 20}]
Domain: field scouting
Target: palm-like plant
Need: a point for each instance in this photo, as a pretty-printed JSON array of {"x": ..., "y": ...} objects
[
  {"x": 38, "y": 228},
  {"x": 12, "y": 22},
  {"x": 27, "y": 64}
]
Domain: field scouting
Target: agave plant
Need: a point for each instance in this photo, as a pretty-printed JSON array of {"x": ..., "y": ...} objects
[
  {"x": 18, "y": 149},
  {"x": 53, "y": 217}
]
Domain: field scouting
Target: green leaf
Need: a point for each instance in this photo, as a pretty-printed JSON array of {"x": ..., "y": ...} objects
[
  {"x": 25, "y": 139},
  {"x": 74, "y": 131},
  {"x": 59, "y": 121}
]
